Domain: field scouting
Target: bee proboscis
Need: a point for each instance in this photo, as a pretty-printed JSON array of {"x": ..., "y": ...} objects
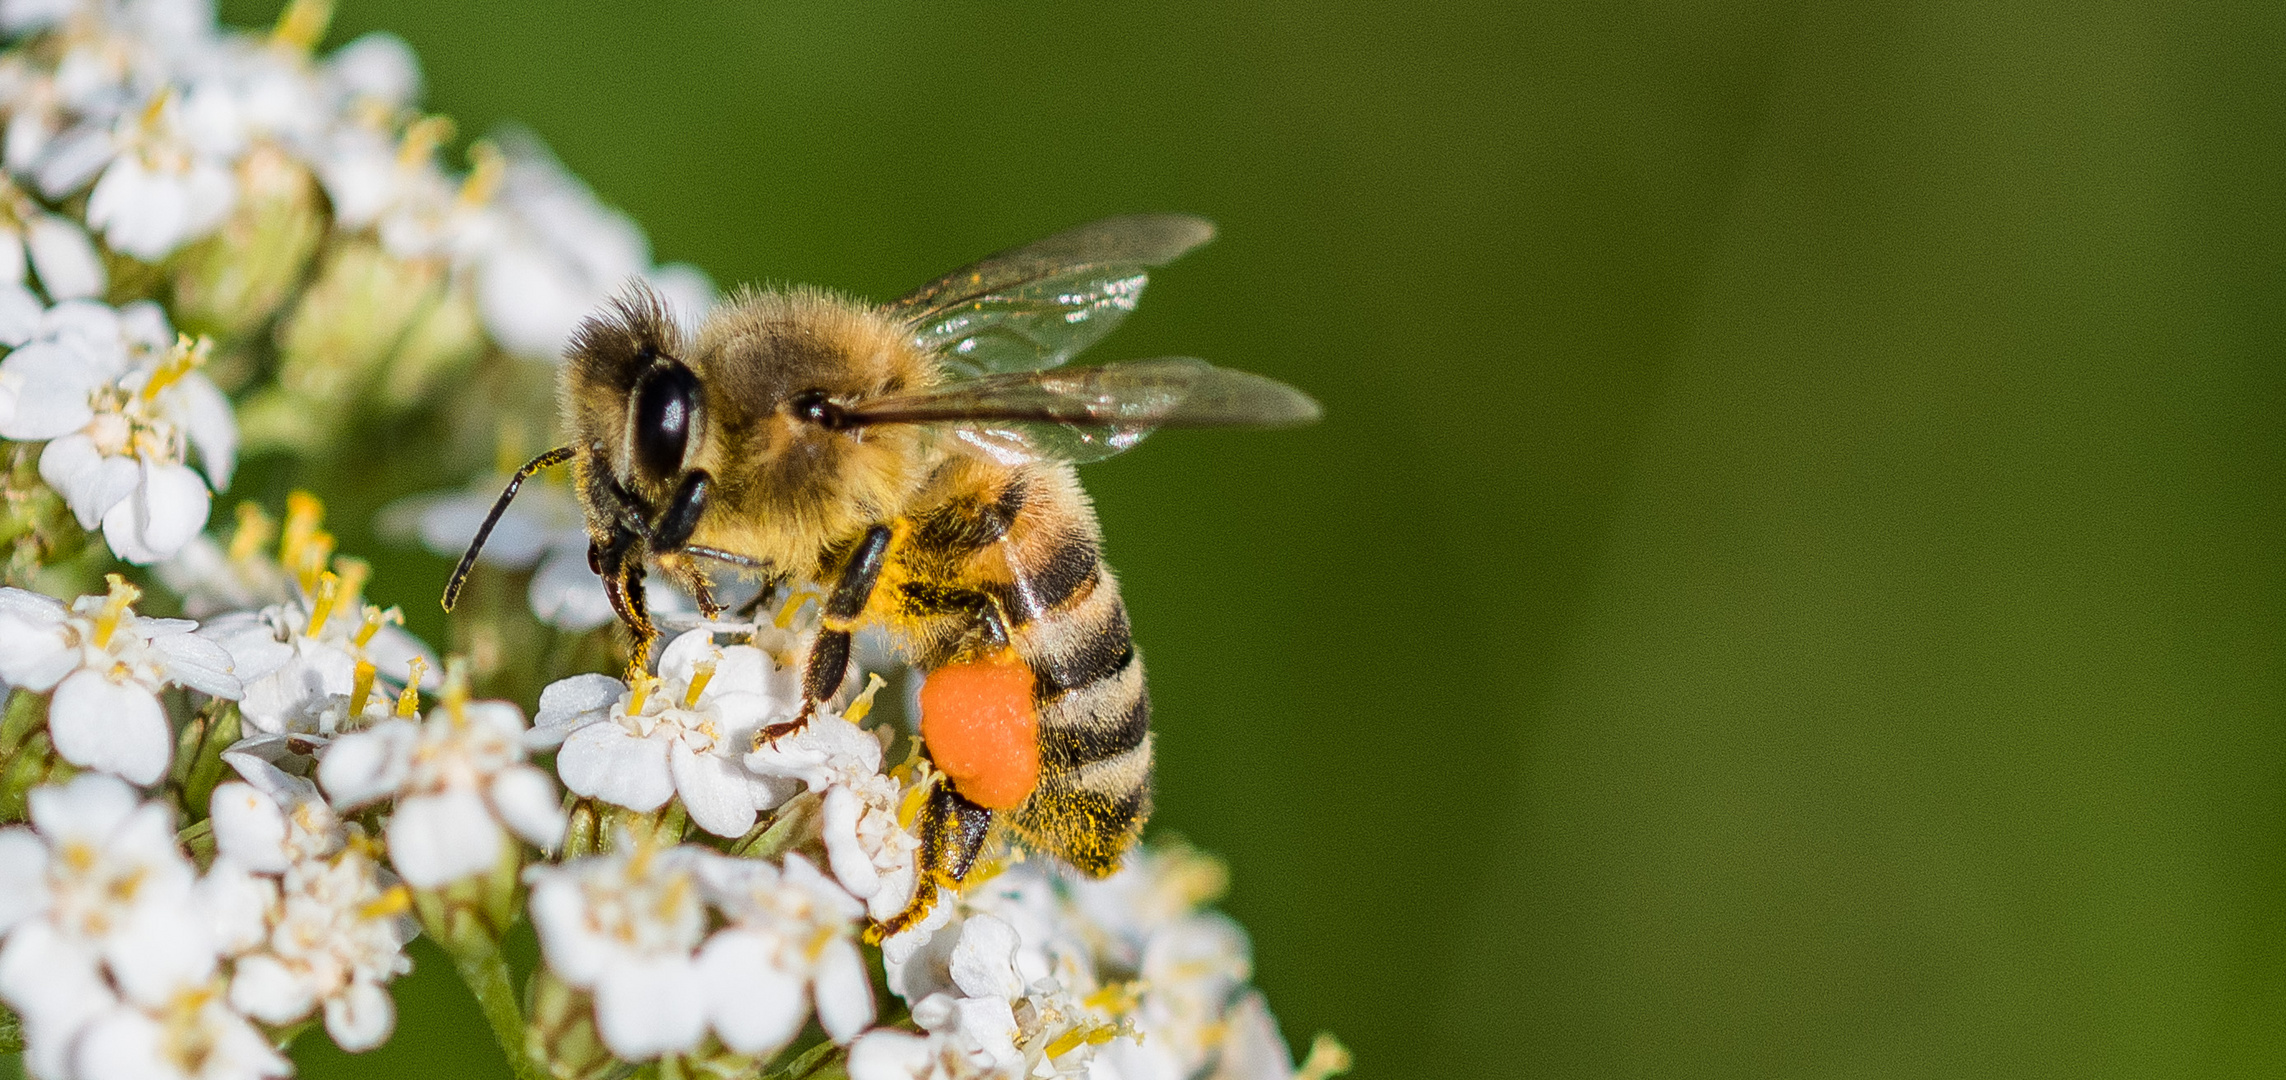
[{"x": 913, "y": 461}]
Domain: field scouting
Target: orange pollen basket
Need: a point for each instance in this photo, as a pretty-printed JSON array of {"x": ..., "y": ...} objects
[{"x": 982, "y": 730}]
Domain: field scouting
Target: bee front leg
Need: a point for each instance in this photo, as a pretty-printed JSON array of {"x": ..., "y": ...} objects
[
  {"x": 953, "y": 831},
  {"x": 828, "y": 663}
]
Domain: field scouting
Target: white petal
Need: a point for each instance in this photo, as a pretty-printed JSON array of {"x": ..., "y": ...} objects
[
  {"x": 44, "y": 390},
  {"x": 90, "y": 482},
  {"x": 64, "y": 258},
  {"x": 141, "y": 213},
  {"x": 366, "y": 765},
  {"x": 248, "y": 638},
  {"x": 170, "y": 508},
  {"x": 889, "y": 1055},
  {"x": 143, "y": 323},
  {"x": 851, "y": 865},
  {"x": 574, "y": 948},
  {"x": 377, "y": 65},
  {"x": 680, "y": 659},
  {"x": 754, "y": 1006},
  {"x": 648, "y": 1007},
  {"x": 984, "y": 963},
  {"x": 90, "y": 807},
  {"x": 988, "y": 1023},
  {"x": 238, "y": 905},
  {"x": 249, "y": 828},
  {"x": 361, "y": 1017},
  {"x": 603, "y": 761},
  {"x": 49, "y": 979},
  {"x": 714, "y": 789},
  {"x": 70, "y": 161},
  {"x": 210, "y": 426},
  {"x": 19, "y": 309},
  {"x": 570, "y": 703},
  {"x": 159, "y": 950},
  {"x": 33, "y": 653},
  {"x": 566, "y": 594},
  {"x": 269, "y": 991},
  {"x": 198, "y": 663},
  {"x": 1252, "y": 1047},
  {"x": 110, "y": 727},
  {"x": 845, "y": 995},
  {"x": 23, "y": 876},
  {"x": 441, "y": 838},
  {"x": 527, "y": 801}
]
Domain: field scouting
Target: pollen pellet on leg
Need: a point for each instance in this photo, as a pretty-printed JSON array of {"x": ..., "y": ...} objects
[{"x": 982, "y": 730}]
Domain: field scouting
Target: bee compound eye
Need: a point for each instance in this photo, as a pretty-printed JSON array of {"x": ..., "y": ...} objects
[{"x": 666, "y": 409}]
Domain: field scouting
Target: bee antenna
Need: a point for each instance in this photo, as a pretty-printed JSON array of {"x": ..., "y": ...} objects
[{"x": 557, "y": 456}]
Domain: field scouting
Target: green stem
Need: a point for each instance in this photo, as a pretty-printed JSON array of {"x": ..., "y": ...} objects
[{"x": 486, "y": 973}]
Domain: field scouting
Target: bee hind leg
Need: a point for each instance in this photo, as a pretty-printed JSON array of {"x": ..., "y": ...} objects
[{"x": 953, "y": 831}]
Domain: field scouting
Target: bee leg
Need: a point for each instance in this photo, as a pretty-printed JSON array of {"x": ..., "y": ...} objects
[
  {"x": 829, "y": 657},
  {"x": 930, "y": 599},
  {"x": 953, "y": 831},
  {"x": 623, "y": 586}
]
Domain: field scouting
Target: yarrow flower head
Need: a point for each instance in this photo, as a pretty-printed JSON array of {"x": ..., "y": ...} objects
[
  {"x": 681, "y": 733},
  {"x": 626, "y": 926},
  {"x": 791, "y": 940},
  {"x": 108, "y": 958},
  {"x": 866, "y": 813},
  {"x": 123, "y": 406},
  {"x": 459, "y": 781},
  {"x": 106, "y": 666},
  {"x": 333, "y": 929}
]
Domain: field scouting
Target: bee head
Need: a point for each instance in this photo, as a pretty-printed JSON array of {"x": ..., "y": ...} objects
[{"x": 636, "y": 412}]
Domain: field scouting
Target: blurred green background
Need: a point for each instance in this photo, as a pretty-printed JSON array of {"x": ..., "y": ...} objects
[{"x": 1791, "y": 580}]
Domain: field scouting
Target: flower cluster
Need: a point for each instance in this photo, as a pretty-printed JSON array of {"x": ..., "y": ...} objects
[{"x": 221, "y": 830}]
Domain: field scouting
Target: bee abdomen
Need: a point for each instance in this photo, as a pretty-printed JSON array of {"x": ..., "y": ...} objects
[{"x": 1095, "y": 727}]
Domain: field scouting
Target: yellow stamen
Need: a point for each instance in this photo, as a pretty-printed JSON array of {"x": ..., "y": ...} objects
[
  {"x": 909, "y": 807},
  {"x": 255, "y": 531},
  {"x": 671, "y": 897},
  {"x": 303, "y": 513},
  {"x": 1328, "y": 1058},
  {"x": 355, "y": 572},
  {"x": 701, "y": 675},
  {"x": 361, "y": 687},
  {"x": 456, "y": 690},
  {"x": 302, "y": 25},
  {"x": 114, "y": 608},
  {"x": 396, "y": 900},
  {"x": 409, "y": 702},
  {"x": 188, "y": 356},
  {"x": 794, "y": 602},
  {"x": 374, "y": 617},
  {"x": 487, "y": 168},
  {"x": 639, "y": 692},
  {"x": 321, "y": 607},
  {"x": 863, "y": 705},
  {"x": 422, "y": 137},
  {"x": 1093, "y": 1035},
  {"x": 157, "y": 107}
]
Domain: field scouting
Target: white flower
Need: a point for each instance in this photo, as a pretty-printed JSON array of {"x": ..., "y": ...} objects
[
  {"x": 870, "y": 852},
  {"x": 681, "y": 733},
  {"x": 124, "y": 411},
  {"x": 789, "y": 940},
  {"x": 172, "y": 180},
  {"x": 558, "y": 254},
  {"x": 624, "y": 926},
  {"x": 299, "y": 660},
  {"x": 990, "y": 1020},
  {"x": 95, "y": 888},
  {"x": 339, "y": 926},
  {"x": 192, "y": 1035},
  {"x": 107, "y": 665},
  {"x": 460, "y": 782},
  {"x": 64, "y": 258}
]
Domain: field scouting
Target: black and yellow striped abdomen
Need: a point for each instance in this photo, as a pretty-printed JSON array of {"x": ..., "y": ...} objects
[{"x": 1024, "y": 541}]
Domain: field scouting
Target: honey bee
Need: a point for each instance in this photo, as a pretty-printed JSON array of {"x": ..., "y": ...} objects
[{"x": 913, "y": 461}]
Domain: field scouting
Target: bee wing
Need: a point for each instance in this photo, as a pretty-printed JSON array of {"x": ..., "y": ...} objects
[
  {"x": 1090, "y": 413},
  {"x": 1038, "y": 305}
]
